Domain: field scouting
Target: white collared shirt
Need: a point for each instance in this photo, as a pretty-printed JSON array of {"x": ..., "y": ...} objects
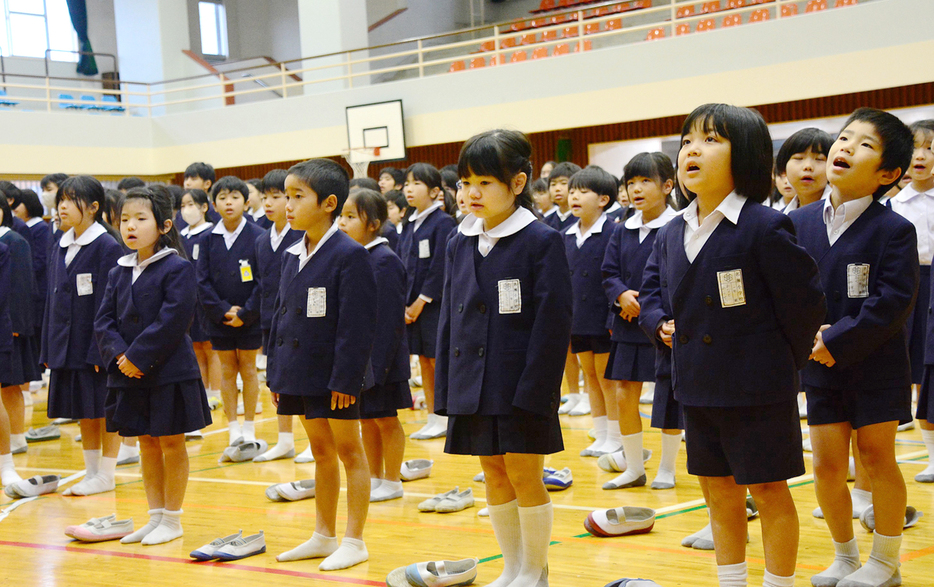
[
  {"x": 614, "y": 207},
  {"x": 843, "y": 217},
  {"x": 696, "y": 235},
  {"x": 594, "y": 229},
  {"x": 562, "y": 216},
  {"x": 132, "y": 260},
  {"x": 276, "y": 239},
  {"x": 4, "y": 230},
  {"x": 33, "y": 221},
  {"x": 258, "y": 214},
  {"x": 376, "y": 241},
  {"x": 301, "y": 251},
  {"x": 918, "y": 208},
  {"x": 188, "y": 231},
  {"x": 794, "y": 204},
  {"x": 229, "y": 237},
  {"x": 473, "y": 226},
  {"x": 400, "y": 226},
  {"x": 550, "y": 211},
  {"x": 419, "y": 217},
  {"x": 635, "y": 221},
  {"x": 68, "y": 240}
]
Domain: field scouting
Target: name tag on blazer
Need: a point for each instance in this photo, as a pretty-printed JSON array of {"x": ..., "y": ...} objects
[
  {"x": 194, "y": 251},
  {"x": 510, "y": 296},
  {"x": 246, "y": 272},
  {"x": 424, "y": 248},
  {"x": 732, "y": 292},
  {"x": 317, "y": 305},
  {"x": 857, "y": 280},
  {"x": 85, "y": 285}
]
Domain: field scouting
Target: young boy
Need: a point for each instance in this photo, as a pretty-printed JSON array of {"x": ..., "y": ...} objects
[
  {"x": 859, "y": 377},
  {"x": 319, "y": 359},
  {"x": 390, "y": 178},
  {"x": 231, "y": 300},
  {"x": 802, "y": 159},
  {"x": 591, "y": 191},
  {"x": 49, "y": 186},
  {"x": 199, "y": 176},
  {"x": 256, "y": 211},
  {"x": 562, "y": 219}
]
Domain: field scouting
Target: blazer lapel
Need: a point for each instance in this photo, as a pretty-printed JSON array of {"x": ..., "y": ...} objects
[{"x": 678, "y": 263}]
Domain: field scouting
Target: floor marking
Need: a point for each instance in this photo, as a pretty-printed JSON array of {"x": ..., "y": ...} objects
[{"x": 9, "y": 509}]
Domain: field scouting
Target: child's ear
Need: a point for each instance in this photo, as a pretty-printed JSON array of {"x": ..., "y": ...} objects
[
  {"x": 330, "y": 203},
  {"x": 888, "y": 177},
  {"x": 518, "y": 182},
  {"x": 207, "y": 183},
  {"x": 668, "y": 186},
  {"x": 604, "y": 200},
  {"x": 166, "y": 227}
]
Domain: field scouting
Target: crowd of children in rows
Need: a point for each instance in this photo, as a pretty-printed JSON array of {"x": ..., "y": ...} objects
[{"x": 503, "y": 287}]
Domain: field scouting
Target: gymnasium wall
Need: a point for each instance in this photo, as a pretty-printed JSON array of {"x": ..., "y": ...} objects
[{"x": 843, "y": 52}]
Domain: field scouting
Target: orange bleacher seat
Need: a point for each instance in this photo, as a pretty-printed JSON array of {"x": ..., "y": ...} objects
[
  {"x": 709, "y": 7},
  {"x": 637, "y": 4},
  {"x": 537, "y": 23},
  {"x": 508, "y": 43},
  {"x": 562, "y": 49},
  {"x": 683, "y": 29},
  {"x": 731, "y": 4},
  {"x": 547, "y": 5},
  {"x": 591, "y": 28},
  {"x": 518, "y": 26},
  {"x": 732, "y": 20},
  {"x": 478, "y": 62},
  {"x": 816, "y": 5},
  {"x": 569, "y": 32},
  {"x": 540, "y": 53},
  {"x": 789, "y": 10},
  {"x": 549, "y": 35},
  {"x": 654, "y": 34},
  {"x": 842, "y": 3},
  {"x": 528, "y": 39},
  {"x": 457, "y": 66},
  {"x": 566, "y": 3},
  {"x": 614, "y": 24},
  {"x": 706, "y": 25},
  {"x": 588, "y": 45},
  {"x": 518, "y": 56},
  {"x": 497, "y": 60},
  {"x": 759, "y": 15},
  {"x": 685, "y": 11},
  {"x": 487, "y": 46}
]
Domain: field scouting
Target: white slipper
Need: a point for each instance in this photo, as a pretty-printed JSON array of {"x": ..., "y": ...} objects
[
  {"x": 242, "y": 547},
  {"x": 868, "y": 518},
  {"x": 621, "y": 521},
  {"x": 296, "y": 490},
  {"x": 442, "y": 573},
  {"x": 209, "y": 551},
  {"x": 415, "y": 469},
  {"x": 50, "y": 432},
  {"x": 38, "y": 485},
  {"x": 104, "y": 530},
  {"x": 431, "y": 503},
  {"x": 246, "y": 451},
  {"x": 70, "y": 530},
  {"x": 615, "y": 462},
  {"x": 456, "y": 502}
]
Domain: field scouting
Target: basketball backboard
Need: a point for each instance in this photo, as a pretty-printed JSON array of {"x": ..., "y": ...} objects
[{"x": 376, "y": 132}]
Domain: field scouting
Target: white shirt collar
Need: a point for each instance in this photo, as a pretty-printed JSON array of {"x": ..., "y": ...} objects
[
  {"x": 301, "y": 251},
  {"x": 473, "y": 226},
  {"x": 276, "y": 239},
  {"x": 562, "y": 215},
  {"x": 229, "y": 237},
  {"x": 189, "y": 231},
  {"x": 132, "y": 260},
  {"x": 594, "y": 229},
  {"x": 635, "y": 221},
  {"x": 258, "y": 214},
  {"x": 908, "y": 192},
  {"x": 614, "y": 207},
  {"x": 795, "y": 203},
  {"x": 839, "y": 220},
  {"x": 4, "y": 230},
  {"x": 550, "y": 211},
  {"x": 375, "y": 242},
  {"x": 729, "y": 208},
  {"x": 33, "y": 221},
  {"x": 419, "y": 217},
  {"x": 86, "y": 238}
]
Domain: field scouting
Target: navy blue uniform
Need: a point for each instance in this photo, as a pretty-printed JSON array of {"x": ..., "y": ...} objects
[
  {"x": 6, "y": 324},
  {"x": 24, "y": 358},
  {"x": 390, "y": 233},
  {"x": 268, "y": 274},
  {"x": 41, "y": 242},
  {"x": 555, "y": 221},
  {"x": 192, "y": 244},
  {"x": 589, "y": 327}
]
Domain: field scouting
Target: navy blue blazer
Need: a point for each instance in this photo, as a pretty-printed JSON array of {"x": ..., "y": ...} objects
[
  {"x": 269, "y": 271},
  {"x": 561, "y": 226},
  {"x": 220, "y": 286},
  {"x": 315, "y": 355},
  {"x": 6, "y": 324},
  {"x": 591, "y": 309},
  {"x": 67, "y": 342},
  {"x": 742, "y": 355},
  {"x": 263, "y": 221},
  {"x": 21, "y": 229},
  {"x": 390, "y": 357},
  {"x": 148, "y": 322},
  {"x": 389, "y": 233},
  {"x": 654, "y": 308},
  {"x": 425, "y": 276},
  {"x": 42, "y": 239},
  {"x": 623, "y": 266},
  {"x": 490, "y": 362},
  {"x": 23, "y": 297},
  {"x": 868, "y": 337}
]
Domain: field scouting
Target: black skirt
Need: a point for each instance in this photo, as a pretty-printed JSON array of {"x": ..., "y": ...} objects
[
  {"x": 917, "y": 326},
  {"x": 315, "y": 406},
  {"x": 78, "y": 394},
  {"x": 163, "y": 410},
  {"x": 423, "y": 333},
  {"x": 666, "y": 410},
  {"x": 631, "y": 362},
  {"x": 383, "y": 401},
  {"x": 23, "y": 363},
  {"x": 521, "y": 432}
]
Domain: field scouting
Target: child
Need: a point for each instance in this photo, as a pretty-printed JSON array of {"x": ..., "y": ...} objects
[
  {"x": 783, "y": 193},
  {"x": 562, "y": 219},
  {"x": 128, "y": 183},
  {"x": 649, "y": 178},
  {"x": 78, "y": 269},
  {"x": 231, "y": 301},
  {"x": 390, "y": 178},
  {"x": 616, "y": 213},
  {"x": 388, "y": 230},
  {"x": 200, "y": 176},
  {"x": 14, "y": 198},
  {"x": 49, "y": 186},
  {"x": 745, "y": 304},
  {"x": 802, "y": 159},
  {"x": 859, "y": 377},
  {"x": 591, "y": 191},
  {"x": 505, "y": 326},
  {"x": 270, "y": 249},
  {"x": 154, "y": 385},
  {"x": 8, "y": 474},
  {"x": 546, "y": 169},
  {"x": 256, "y": 211},
  {"x": 421, "y": 248},
  {"x": 32, "y": 213},
  {"x": 383, "y": 438},
  {"x": 319, "y": 362},
  {"x": 542, "y": 198},
  {"x": 916, "y": 203},
  {"x": 398, "y": 211}
]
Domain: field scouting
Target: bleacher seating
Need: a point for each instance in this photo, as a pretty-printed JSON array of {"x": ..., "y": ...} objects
[
  {"x": 540, "y": 53},
  {"x": 4, "y": 101},
  {"x": 562, "y": 49},
  {"x": 457, "y": 66},
  {"x": 477, "y": 62},
  {"x": 789, "y": 10},
  {"x": 760, "y": 15},
  {"x": 710, "y": 7},
  {"x": 683, "y": 29},
  {"x": 815, "y": 6},
  {"x": 708, "y": 24},
  {"x": 655, "y": 34},
  {"x": 842, "y": 3},
  {"x": 518, "y": 56},
  {"x": 732, "y": 20}
]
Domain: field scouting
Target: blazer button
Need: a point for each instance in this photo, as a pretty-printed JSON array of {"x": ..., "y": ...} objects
[
  {"x": 707, "y": 339},
  {"x": 708, "y": 300},
  {"x": 584, "y": 273},
  {"x": 482, "y": 308},
  {"x": 572, "y": 272},
  {"x": 283, "y": 311},
  {"x": 298, "y": 311},
  {"x": 584, "y": 297},
  {"x": 460, "y": 308},
  {"x": 55, "y": 290},
  {"x": 480, "y": 352},
  {"x": 457, "y": 352},
  {"x": 295, "y": 343},
  {"x": 683, "y": 339},
  {"x": 836, "y": 296},
  {"x": 278, "y": 342}
]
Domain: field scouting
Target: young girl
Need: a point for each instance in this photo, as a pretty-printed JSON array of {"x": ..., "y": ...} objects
[
  {"x": 78, "y": 268},
  {"x": 154, "y": 384},
  {"x": 256, "y": 212},
  {"x": 746, "y": 303},
  {"x": 649, "y": 178},
  {"x": 383, "y": 438},
  {"x": 505, "y": 328},
  {"x": 8, "y": 474},
  {"x": 421, "y": 248},
  {"x": 802, "y": 160}
]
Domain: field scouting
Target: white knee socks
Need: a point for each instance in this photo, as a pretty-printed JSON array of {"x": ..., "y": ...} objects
[
  {"x": 927, "y": 475},
  {"x": 505, "y": 521},
  {"x": 535, "y": 528},
  {"x": 665, "y": 478}
]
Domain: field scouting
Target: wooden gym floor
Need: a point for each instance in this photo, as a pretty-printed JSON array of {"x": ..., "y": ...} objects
[{"x": 223, "y": 498}]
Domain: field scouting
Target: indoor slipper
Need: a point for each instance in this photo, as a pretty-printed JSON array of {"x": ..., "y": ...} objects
[
  {"x": 70, "y": 530},
  {"x": 621, "y": 521},
  {"x": 415, "y": 469},
  {"x": 38, "y": 485},
  {"x": 242, "y": 547},
  {"x": 209, "y": 551},
  {"x": 558, "y": 480},
  {"x": 104, "y": 530},
  {"x": 297, "y": 490},
  {"x": 431, "y": 503},
  {"x": 456, "y": 502},
  {"x": 50, "y": 432},
  {"x": 442, "y": 573}
]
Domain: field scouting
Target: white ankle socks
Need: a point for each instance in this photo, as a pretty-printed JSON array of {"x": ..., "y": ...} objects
[
  {"x": 107, "y": 469},
  {"x": 233, "y": 432},
  {"x": 600, "y": 427},
  {"x": 8, "y": 473},
  {"x": 770, "y": 580},
  {"x": 845, "y": 562},
  {"x": 928, "y": 437},
  {"x": 671, "y": 444},
  {"x": 614, "y": 438},
  {"x": 505, "y": 521},
  {"x": 169, "y": 528},
  {"x": 249, "y": 431},
  {"x": 535, "y": 528},
  {"x": 733, "y": 575},
  {"x": 351, "y": 552},
  {"x": 318, "y": 546},
  {"x": 632, "y": 448},
  {"x": 883, "y": 561},
  {"x": 155, "y": 517},
  {"x": 861, "y": 500},
  {"x": 92, "y": 462}
]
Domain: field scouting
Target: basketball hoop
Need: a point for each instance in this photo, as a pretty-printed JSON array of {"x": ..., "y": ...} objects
[{"x": 359, "y": 159}]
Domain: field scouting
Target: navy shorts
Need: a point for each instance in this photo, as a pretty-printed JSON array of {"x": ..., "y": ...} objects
[
  {"x": 423, "y": 333},
  {"x": 315, "y": 406},
  {"x": 925, "y": 402},
  {"x": 598, "y": 345},
  {"x": 251, "y": 341},
  {"x": 860, "y": 407}
]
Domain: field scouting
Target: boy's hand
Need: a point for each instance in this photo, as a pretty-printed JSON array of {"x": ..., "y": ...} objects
[
  {"x": 231, "y": 318},
  {"x": 414, "y": 311},
  {"x": 339, "y": 401},
  {"x": 820, "y": 353},
  {"x": 274, "y": 397},
  {"x": 665, "y": 332},
  {"x": 128, "y": 368},
  {"x": 628, "y": 304}
]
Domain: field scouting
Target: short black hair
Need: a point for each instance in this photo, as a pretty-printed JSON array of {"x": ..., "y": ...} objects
[
  {"x": 201, "y": 170},
  {"x": 397, "y": 198},
  {"x": 257, "y": 183},
  {"x": 425, "y": 173},
  {"x": 113, "y": 206},
  {"x": 11, "y": 192},
  {"x": 371, "y": 206},
  {"x": 32, "y": 203},
  {"x": 324, "y": 177},
  {"x": 449, "y": 178},
  {"x": 898, "y": 142},
  {"x": 656, "y": 166},
  {"x": 129, "y": 183},
  {"x": 500, "y": 153},
  {"x": 198, "y": 196},
  {"x": 750, "y": 146},
  {"x": 364, "y": 183},
  {"x": 7, "y": 212},
  {"x": 176, "y": 192},
  {"x": 563, "y": 169},
  {"x": 397, "y": 174},
  {"x": 811, "y": 138},
  {"x": 597, "y": 180},
  {"x": 452, "y": 167},
  {"x": 55, "y": 178},
  {"x": 274, "y": 180},
  {"x": 160, "y": 202},
  {"x": 539, "y": 186},
  {"x": 231, "y": 184}
]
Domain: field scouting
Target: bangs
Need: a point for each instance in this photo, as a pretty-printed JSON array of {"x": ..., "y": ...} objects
[
  {"x": 596, "y": 180},
  {"x": 709, "y": 118},
  {"x": 425, "y": 173},
  {"x": 655, "y": 166},
  {"x": 480, "y": 156}
]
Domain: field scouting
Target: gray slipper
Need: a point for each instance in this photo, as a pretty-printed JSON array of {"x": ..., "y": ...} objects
[{"x": 50, "y": 432}]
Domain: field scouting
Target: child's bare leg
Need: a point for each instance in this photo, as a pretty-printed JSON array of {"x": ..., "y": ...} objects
[
  {"x": 229, "y": 368},
  {"x": 727, "y": 502},
  {"x": 352, "y": 550},
  {"x": 215, "y": 370},
  {"x": 862, "y": 488},
  {"x": 393, "y": 443},
  {"x": 8, "y": 473},
  {"x": 597, "y": 403},
  {"x": 877, "y": 451},
  {"x": 779, "y": 526},
  {"x": 373, "y": 445},
  {"x": 831, "y": 443},
  {"x": 246, "y": 365},
  {"x": 608, "y": 387},
  {"x": 427, "y": 367},
  {"x": 572, "y": 379},
  {"x": 15, "y": 408},
  {"x": 201, "y": 355},
  {"x": 630, "y": 426},
  {"x": 504, "y": 516}
]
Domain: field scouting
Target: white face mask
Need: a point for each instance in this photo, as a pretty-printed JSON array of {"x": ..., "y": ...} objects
[{"x": 191, "y": 215}]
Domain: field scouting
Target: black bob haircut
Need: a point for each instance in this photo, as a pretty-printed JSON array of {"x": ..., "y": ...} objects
[
  {"x": 656, "y": 166},
  {"x": 898, "y": 142},
  {"x": 367, "y": 183},
  {"x": 274, "y": 181},
  {"x": 811, "y": 138},
  {"x": 53, "y": 178},
  {"x": 371, "y": 206},
  {"x": 426, "y": 173},
  {"x": 325, "y": 178},
  {"x": 597, "y": 180},
  {"x": 257, "y": 183},
  {"x": 231, "y": 184},
  {"x": 11, "y": 192},
  {"x": 160, "y": 202},
  {"x": 925, "y": 127},
  {"x": 750, "y": 146},
  {"x": 397, "y": 174},
  {"x": 176, "y": 192},
  {"x": 397, "y": 198},
  {"x": 201, "y": 170},
  {"x": 128, "y": 183},
  {"x": 32, "y": 203},
  {"x": 198, "y": 196},
  {"x": 539, "y": 186},
  {"x": 563, "y": 169},
  {"x": 502, "y": 154},
  {"x": 7, "y": 213}
]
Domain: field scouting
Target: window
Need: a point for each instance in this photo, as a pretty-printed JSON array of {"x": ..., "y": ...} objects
[
  {"x": 30, "y": 27},
  {"x": 213, "y": 19}
]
